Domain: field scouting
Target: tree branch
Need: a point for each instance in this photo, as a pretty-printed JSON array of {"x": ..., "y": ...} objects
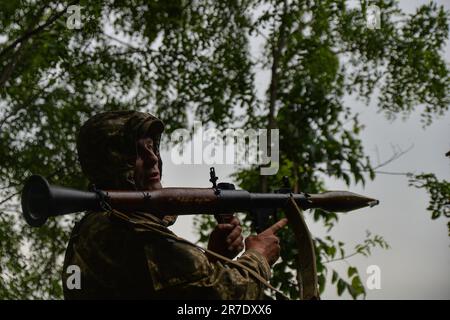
[
  {"x": 9, "y": 197},
  {"x": 7, "y": 72},
  {"x": 29, "y": 33},
  {"x": 376, "y": 171},
  {"x": 343, "y": 258},
  {"x": 128, "y": 44},
  {"x": 273, "y": 89},
  {"x": 395, "y": 156}
]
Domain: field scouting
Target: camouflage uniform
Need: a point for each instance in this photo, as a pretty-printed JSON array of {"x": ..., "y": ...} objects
[{"x": 122, "y": 259}]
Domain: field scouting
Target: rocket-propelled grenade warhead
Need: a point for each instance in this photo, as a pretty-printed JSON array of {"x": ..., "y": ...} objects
[{"x": 340, "y": 201}]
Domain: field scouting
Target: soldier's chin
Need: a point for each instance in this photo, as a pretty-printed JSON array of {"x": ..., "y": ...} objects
[{"x": 154, "y": 184}]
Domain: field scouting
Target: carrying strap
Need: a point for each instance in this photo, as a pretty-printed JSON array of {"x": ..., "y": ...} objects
[{"x": 306, "y": 258}]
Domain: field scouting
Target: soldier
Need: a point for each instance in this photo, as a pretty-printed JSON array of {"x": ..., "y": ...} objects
[{"x": 138, "y": 257}]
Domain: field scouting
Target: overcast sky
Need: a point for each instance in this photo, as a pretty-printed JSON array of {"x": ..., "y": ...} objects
[{"x": 418, "y": 263}]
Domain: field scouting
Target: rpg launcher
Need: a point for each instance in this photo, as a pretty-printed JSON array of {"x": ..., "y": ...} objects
[{"x": 40, "y": 200}]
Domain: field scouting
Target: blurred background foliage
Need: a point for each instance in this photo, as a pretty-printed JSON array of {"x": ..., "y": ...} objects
[{"x": 177, "y": 58}]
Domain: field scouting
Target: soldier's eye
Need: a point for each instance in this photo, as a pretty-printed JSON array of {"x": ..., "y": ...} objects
[
  {"x": 144, "y": 147},
  {"x": 149, "y": 144}
]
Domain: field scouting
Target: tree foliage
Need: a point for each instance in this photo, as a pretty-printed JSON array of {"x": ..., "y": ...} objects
[
  {"x": 439, "y": 191},
  {"x": 176, "y": 58}
]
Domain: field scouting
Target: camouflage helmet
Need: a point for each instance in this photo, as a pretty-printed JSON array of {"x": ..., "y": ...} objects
[{"x": 106, "y": 146}]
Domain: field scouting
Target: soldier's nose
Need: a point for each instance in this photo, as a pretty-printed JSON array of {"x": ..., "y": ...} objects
[{"x": 151, "y": 159}]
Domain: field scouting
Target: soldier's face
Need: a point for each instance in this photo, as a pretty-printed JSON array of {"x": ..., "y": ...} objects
[{"x": 146, "y": 171}]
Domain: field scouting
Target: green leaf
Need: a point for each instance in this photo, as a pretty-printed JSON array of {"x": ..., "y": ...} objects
[
  {"x": 335, "y": 277},
  {"x": 351, "y": 271},
  {"x": 341, "y": 285}
]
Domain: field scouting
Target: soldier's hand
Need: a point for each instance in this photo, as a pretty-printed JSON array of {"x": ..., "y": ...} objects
[
  {"x": 267, "y": 243},
  {"x": 226, "y": 239}
]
